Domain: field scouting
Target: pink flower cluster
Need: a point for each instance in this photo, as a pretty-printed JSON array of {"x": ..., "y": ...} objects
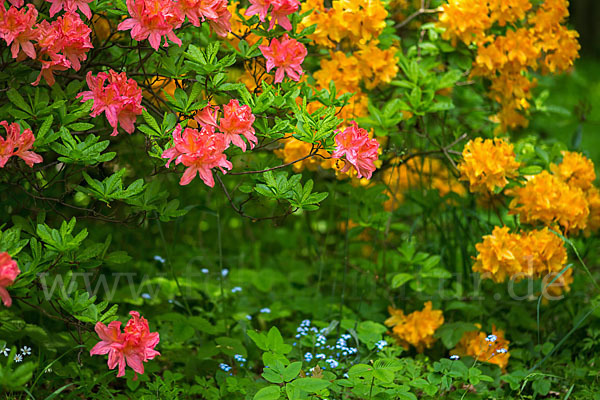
[
  {"x": 17, "y": 144},
  {"x": 63, "y": 44},
  {"x": 286, "y": 55},
  {"x": 120, "y": 99},
  {"x": 281, "y": 9},
  {"x": 153, "y": 19},
  {"x": 202, "y": 150},
  {"x": 360, "y": 151},
  {"x": 132, "y": 347},
  {"x": 215, "y": 11},
  {"x": 17, "y": 29},
  {"x": 8, "y": 273},
  {"x": 71, "y": 6}
]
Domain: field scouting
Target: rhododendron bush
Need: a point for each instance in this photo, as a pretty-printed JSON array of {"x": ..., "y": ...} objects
[{"x": 284, "y": 199}]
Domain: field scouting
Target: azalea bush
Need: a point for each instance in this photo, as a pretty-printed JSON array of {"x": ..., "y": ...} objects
[{"x": 275, "y": 199}]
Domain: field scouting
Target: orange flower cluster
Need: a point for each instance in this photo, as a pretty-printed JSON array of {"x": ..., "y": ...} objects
[
  {"x": 547, "y": 199},
  {"x": 565, "y": 199},
  {"x": 417, "y": 172},
  {"x": 535, "y": 39},
  {"x": 575, "y": 170},
  {"x": 352, "y": 25},
  {"x": 487, "y": 164},
  {"x": 416, "y": 328},
  {"x": 487, "y": 348},
  {"x": 353, "y": 21},
  {"x": 535, "y": 254},
  {"x": 566, "y": 196}
]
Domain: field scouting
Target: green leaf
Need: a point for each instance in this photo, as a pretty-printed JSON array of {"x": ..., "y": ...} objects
[
  {"x": 400, "y": 279},
  {"x": 150, "y": 120},
  {"x": 450, "y": 333},
  {"x": 311, "y": 385},
  {"x": 268, "y": 393},
  {"x": 292, "y": 371},
  {"x": 272, "y": 376},
  {"x": 80, "y": 126},
  {"x": 541, "y": 387},
  {"x": 530, "y": 170},
  {"x": 15, "y": 97}
]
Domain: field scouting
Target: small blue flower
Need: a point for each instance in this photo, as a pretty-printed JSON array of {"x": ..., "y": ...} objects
[
  {"x": 314, "y": 329},
  {"x": 265, "y": 310},
  {"x": 159, "y": 259},
  {"x": 321, "y": 340},
  {"x": 239, "y": 358},
  {"x": 454, "y": 357},
  {"x": 346, "y": 336},
  {"x": 249, "y": 317},
  {"x": 321, "y": 356},
  {"x": 502, "y": 351},
  {"x": 381, "y": 344},
  {"x": 332, "y": 363},
  {"x": 308, "y": 357},
  {"x": 236, "y": 289},
  {"x": 491, "y": 338},
  {"x": 225, "y": 367},
  {"x": 305, "y": 323},
  {"x": 224, "y": 272},
  {"x": 146, "y": 296},
  {"x": 204, "y": 270}
]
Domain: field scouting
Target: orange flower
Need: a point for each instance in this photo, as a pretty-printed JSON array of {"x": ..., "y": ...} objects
[
  {"x": 575, "y": 169},
  {"x": 487, "y": 163},
  {"x": 417, "y": 328},
  {"x": 499, "y": 255},
  {"x": 593, "y": 199},
  {"x": 486, "y": 348},
  {"x": 547, "y": 199}
]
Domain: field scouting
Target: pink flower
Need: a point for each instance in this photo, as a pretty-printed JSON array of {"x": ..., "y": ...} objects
[
  {"x": 71, "y": 6},
  {"x": 120, "y": 99},
  {"x": 222, "y": 23},
  {"x": 63, "y": 45},
  {"x": 237, "y": 122},
  {"x": 57, "y": 62},
  {"x": 17, "y": 3},
  {"x": 74, "y": 38},
  {"x": 260, "y": 7},
  {"x": 281, "y": 9},
  {"x": 287, "y": 55},
  {"x": 17, "y": 28},
  {"x": 208, "y": 116},
  {"x": 153, "y": 19},
  {"x": 198, "y": 10},
  {"x": 132, "y": 348},
  {"x": 200, "y": 151},
  {"x": 17, "y": 144},
  {"x": 360, "y": 151},
  {"x": 8, "y": 273}
]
